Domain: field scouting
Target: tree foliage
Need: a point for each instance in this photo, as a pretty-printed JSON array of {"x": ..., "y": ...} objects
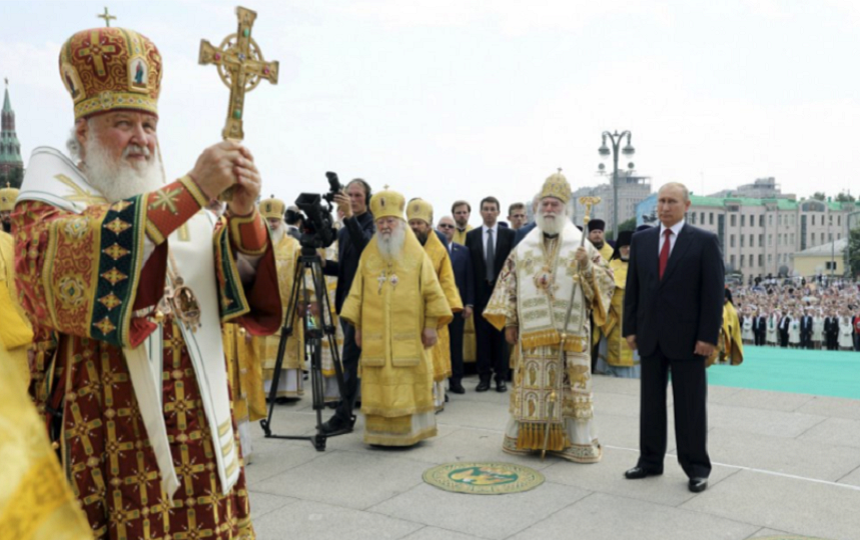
[
  {"x": 819, "y": 196},
  {"x": 852, "y": 252}
]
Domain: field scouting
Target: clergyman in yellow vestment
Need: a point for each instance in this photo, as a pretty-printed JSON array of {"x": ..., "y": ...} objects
[
  {"x": 397, "y": 306},
  {"x": 615, "y": 357},
  {"x": 420, "y": 216},
  {"x": 287, "y": 253}
]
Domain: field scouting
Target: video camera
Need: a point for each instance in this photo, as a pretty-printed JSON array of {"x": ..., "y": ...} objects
[{"x": 318, "y": 230}]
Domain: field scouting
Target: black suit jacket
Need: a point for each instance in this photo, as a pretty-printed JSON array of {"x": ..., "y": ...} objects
[
  {"x": 461, "y": 262},
  {"x": 351, "y": 239},
  {"x": 684, "y": 307},
  {"x": 523, "y": 232},
  {"x": 831, "y": 325},
  {"x": 806, "y": 324},
  {"x": 475, "y": 243},
  {"x": 760, "y": 324}
]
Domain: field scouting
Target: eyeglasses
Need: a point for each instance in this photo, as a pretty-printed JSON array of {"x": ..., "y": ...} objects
[{"x": 445, "y": 226}]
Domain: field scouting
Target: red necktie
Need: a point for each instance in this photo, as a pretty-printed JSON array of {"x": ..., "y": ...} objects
[{"x": 664, "y": 252}]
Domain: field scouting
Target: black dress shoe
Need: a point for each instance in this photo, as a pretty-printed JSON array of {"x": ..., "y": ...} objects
[
  {"x": 698, "y": 485},
  {"x": 638, "y": 472},
  {"x": 501, "y": 386},
  {"x": 337, "y": 424},
  {"x": 483, "y": 386},
  {"x": 456, "y": 388}
]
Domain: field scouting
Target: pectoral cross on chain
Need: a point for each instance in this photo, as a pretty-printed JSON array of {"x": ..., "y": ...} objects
[{"x": 241, "y": 66}]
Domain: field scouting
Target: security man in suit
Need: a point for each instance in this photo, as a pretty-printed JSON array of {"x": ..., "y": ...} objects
[
  {"x": 461, "y": 262},
  {"x": 489, "y": 245},
  {"x": 672, "y": 315}
]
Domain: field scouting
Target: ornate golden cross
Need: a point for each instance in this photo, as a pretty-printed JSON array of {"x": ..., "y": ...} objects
[
  {"x": 241, "y": 66},
  {"x": 107, "y": 17},
  {"x": 588, "y": 202}
]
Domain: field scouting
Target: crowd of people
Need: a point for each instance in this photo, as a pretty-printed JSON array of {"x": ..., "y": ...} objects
[{"x": 800, "y": 314}]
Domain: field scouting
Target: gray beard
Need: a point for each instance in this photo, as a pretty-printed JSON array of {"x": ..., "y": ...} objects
[
  {"x": 391, "y": 247},
  {"x": 119, "y": 179}
]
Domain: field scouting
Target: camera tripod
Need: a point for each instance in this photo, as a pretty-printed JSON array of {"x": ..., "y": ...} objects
[{"x": 317, "y": 330}]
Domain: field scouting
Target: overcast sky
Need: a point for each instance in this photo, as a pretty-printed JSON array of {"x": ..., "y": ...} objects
[{"x": 448, "y": 99}]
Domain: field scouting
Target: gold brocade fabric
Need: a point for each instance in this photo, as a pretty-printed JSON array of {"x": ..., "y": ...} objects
[
  {"x": 245, "y": 374},
  {"x": 441, "y": 352},
  {"x": 619, "y": 353},
  {"x": 460, "y": 236},
  {"x": 730, "y": 348},
  {"x": 391, "y": 302},
  {"x": 15, "y": 331},
  {"x": 36, "y": 502},
  {"x": 287, "y": 252}
]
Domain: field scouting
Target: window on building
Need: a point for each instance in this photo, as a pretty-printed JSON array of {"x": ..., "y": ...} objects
[
  {"x": 710, "y": 218},
  {"x": 769, "y": 258},
  {"x": 732, "y": 260},
  {"x": 732, "y": 241},
  {"x": 761, "y": 240},
  {"x": 769, "y": 240},
  {"x": 751, "y": 260},
  {"x": 752, "y": 244},
  {"x": 734, "y": 220},
  {"x": 752, "y": 220},
  {"x": 760, "y": 259},
  {"x": 780, "y": 219},
  {"x": 770, "y": 220},
  {"x": 742, "y": 240},
  {"x": 839, "y": 221},
  {"x": 743, "y": 220},
  {"x": 813, "y": 220},
  {"x": 761, "y": 220},
  {"x": 693, "y": 218},
  {"x": 702, "y": 218}
]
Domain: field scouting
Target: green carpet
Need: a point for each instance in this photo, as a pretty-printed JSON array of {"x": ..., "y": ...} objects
[{"x": 822, "y": 373}]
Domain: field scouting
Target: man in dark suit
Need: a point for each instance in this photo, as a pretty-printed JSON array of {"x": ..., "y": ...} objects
[
  {"x": 806, "y": 331},
  {"x": 489, "y": 246},
  {"x": 358, "y": 228},
  {"x": 760, "y": 328},
  {"x": 672, "y": 315},
  {"x": 461, "y": 262},
  {"x": 831, "y": 332},
  {"x": 784, "y": 323}
]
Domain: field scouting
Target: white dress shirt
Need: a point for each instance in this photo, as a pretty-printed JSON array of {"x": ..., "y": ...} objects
[{"x": 676, "y": 230}]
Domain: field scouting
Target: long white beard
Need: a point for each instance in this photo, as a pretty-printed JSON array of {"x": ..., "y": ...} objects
[
  {"x": 120, "y": 179},
  {"x": 391, "y": 246},
  {"x": 278, "y": 234},
  {"x": 551, "y": 226}
]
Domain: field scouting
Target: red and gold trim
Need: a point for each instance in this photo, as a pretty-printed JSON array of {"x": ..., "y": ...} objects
[
  {"x": 171, "y": 206},
  {"x": 249, "y": 234}
]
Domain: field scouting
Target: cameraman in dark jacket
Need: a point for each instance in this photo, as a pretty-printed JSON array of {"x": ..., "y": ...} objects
[{"x": 358, "y": 228}]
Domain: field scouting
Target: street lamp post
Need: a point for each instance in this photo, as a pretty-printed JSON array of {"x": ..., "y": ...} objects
[{"x": 604, "y": 151}]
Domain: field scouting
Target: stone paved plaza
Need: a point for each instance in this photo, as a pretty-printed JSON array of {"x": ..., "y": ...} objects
[{"x": 783, "y": 464}]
